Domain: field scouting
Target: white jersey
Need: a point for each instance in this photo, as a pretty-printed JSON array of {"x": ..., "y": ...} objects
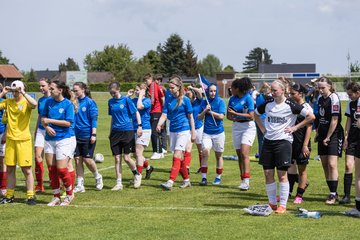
[{"x": 279, "y": 117}]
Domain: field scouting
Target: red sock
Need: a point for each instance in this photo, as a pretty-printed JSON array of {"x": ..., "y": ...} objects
[
  {"x": 184, "y": 170},
  {"x": 2, "y": 180},
  {"x": 66, "y": 179},
  {"x": 245, "y": 175},
  {"x": 54, "y": 179},
  {"x": 73, "y": 177},
  {"x": 146, "y": 163},
  {"x": 187, "y": 158},
  {"x": 139, "y": 168},
  {"x": 219, "y": 171},
  {"x": 204, "y": 169},
  {"x": 175, "y": 168},
  {"x": 39, "y": 172}
]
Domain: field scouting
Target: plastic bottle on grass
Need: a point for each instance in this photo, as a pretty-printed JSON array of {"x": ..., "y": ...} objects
[{"x": 307, "y": 214}]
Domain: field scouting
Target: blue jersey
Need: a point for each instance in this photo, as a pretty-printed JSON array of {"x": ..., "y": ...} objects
[
  {"x": 121, "y": 110},
  {"x": 40, "y": 107},
  {"x": 260, "y": 99},
  {"x": 144, "y": 113},
  {"x": 218, "y": 106},
  {"x": 178, "y": 116},
  {"x": 86, "y": 118},
  {"x": 2, "y": 125},
  {"x": 244, "y": 104},
  {"x": 63, "y": 110},
  {"x": 196, "y": 105}
]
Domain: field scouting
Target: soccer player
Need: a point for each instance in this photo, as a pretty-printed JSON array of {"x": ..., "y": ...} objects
[
  {"x": 213, "y": 112},
  {"x": 352, "y": 134},
  {"x": 85, "y": 132},
  {"x": 44, "y": 85},
  {"x": 2, "y": 149},
  {"x": 57, "y": 118},
  {"x": 300, "y": 147},
  {"x": 276, "y": 153},
  {"x": 157, "y": 97},
  {"x": 330, "y": 135},
  {"x": 18, "y": 139},
  {"x": 122, "y": 109},
  {"x": 178, "y": 110},
  {"x": 241, "y": 112}
]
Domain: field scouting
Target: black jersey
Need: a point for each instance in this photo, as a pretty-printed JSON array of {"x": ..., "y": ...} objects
[
  {"x": 328, "y": 107},
  {"x": 299, "y": 135},
  {"x": 353, "y": 112}
]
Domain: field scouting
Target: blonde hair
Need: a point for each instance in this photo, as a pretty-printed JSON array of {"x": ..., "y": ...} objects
[
  {"x": 176, "y": 80},
  {"x": 265, "y": 88},
  {"x": 74, "y": 101},
  {"x": 284, "y": 83}
]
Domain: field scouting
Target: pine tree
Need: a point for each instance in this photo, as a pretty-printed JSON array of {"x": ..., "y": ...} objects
[
  {"x": 191, "y": 67},
  {"x": 254, "y": 59}
]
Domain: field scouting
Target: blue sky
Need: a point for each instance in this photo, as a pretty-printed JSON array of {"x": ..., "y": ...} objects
[{"x": 40, "y": 34}]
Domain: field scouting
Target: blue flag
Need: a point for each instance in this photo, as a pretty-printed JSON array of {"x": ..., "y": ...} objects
[{"x": 204, "y": 82}]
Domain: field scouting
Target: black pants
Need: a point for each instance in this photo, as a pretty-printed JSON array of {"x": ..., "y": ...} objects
[{"x": 155, "y": 136}]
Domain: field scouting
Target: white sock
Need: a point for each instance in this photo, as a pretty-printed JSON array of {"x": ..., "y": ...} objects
[
  {"x": 203, "y": 175},
  {"x": 284, "y": 193},
  {"x": 148, "y": 167},
  {"x": 171, "y": 181},
  {"x": 96, "y": 174},
  {"x": 80, "y": 181},
  {"x": 247, "y": 180},
  {"x": 118, "y": 181},
  {"x": 218, "y": 176},
  {"x": 271, "y": 192}
]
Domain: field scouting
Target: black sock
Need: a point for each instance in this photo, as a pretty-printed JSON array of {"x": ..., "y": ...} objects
[
  {"x": 348, "y": 177},
  {"x": 300, "y": 192},
  {"x": 357, "y": 204},
  {"x": 333, "y": 184},
  {"x": 292, "y": 179},
  {"x": 135, "y": 172}
]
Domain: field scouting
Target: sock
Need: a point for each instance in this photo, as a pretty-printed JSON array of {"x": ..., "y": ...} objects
[
  {"x": 96, "y": 174},
  {"x": 184, "y": 170},
  {"x": 30, "y": 194},
  {"x": 187, "y": 158},
  {"x": 348, "y": 177},
  {"x": 271, "y": 192},
  {"x": 73, "y": 176},
  {"x": 175, "y": 168},
  {"x": 139, "y": 168},
  {"x": 357, "y": 203},
  {"x": 146, "y": 164},
  {"x": 10, "y": 193},
  {"x": 204, "y": 170},
  {"x": 284, "y": 193},
  {"x": 54, "y": 178},
  {"x": 2, "y": 180},
  {"x": 135, "y": 172},
  {"x": 300, "y": 192},
  {"x": 66, "y": 179},
  {"x": 118, "y": 181},
  {"x": 39, "y": 173},
  {"x": 333, "y": 184},
  {"x": 292, "y": 179},
  {"x": 80, "y": 181},
  {"x": 247, "y": 180}
]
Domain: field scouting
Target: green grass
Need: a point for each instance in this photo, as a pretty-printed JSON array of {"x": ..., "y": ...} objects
[{"x": 194, "y": 213}]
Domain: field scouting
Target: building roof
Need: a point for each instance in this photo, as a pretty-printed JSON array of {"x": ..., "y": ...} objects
[
  {"x": 10, "y": 71},
  {"x": 49, "y": 74}
]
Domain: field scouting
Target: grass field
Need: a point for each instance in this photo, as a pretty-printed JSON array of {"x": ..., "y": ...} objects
[{"x": 211, "y": 212}]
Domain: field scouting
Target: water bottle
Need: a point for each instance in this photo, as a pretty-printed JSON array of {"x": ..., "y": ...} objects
[
  {"x": 307, "y": 214},
  {"x": 231, "y": 157}
]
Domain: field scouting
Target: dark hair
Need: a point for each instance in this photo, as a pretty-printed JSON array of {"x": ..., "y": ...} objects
[
  {"x": 45, "y": 80},
  {"x": 353, "y": 86},
  {"x": 84, "y": 87},
  {"x": 66, "y": 92},
  {"x": 328, "y": 81},
  {"x": 158, "y": 77},
  {"x": 115, "y": 85},
  {"x": 243, "y": 84},
  {"x": 299, "y": 88},
  {"x": 229, "y": 91},
  {"x": 147, "y": 76}
]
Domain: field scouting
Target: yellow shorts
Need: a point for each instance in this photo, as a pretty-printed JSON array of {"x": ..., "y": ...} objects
[{"x": 18, "y": 152}]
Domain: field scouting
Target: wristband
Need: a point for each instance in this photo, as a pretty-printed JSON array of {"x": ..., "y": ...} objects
[
  {"x": 140, "y": 125},
  {"x": 93, "y": 135}
]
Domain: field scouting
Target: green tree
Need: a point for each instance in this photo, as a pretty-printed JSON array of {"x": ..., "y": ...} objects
[
  {"x": 69, "y": 65},
  {"x": 115, "y": 59},
  {"x": 210, "y": 65},
  {"x": 191, "y": 67},
  {"x": 30, "y": 76},
  {"x": 172, "y": 55},
  {"x": 152, "y": 59},
  {"x": 253, "y": 60},
  {"x": 3, "y": 60},
  {"x": 355, "y": 67},
  {"x": 229, "y": 68}
]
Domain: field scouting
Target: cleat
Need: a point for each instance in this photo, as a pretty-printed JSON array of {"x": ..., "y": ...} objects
[
  {"x": 79, "y": 189},
  {"x": 273, "y": 206},
  {"x": 257, "y": 155},
  {"x": 280, "y": 210},
  {"x": 117, "y": 187},
  {"x": 67, "y": 200},
  {"x": 157, "y": 156},
  {"x": 317, "y": 158},
  {"x": 39, "y": 189},
  {"x": 298, "y": 200},
  {"x": 31, "y": 201},
  {"x": 164, "y": 151},
  {"x": 244, "y": 186},
  {"x": 6, "y": 200},
  {"x": 203, "y": 182},
  {"x": 331, "y": 200},
  {"x": 216, "y": 181},
  {"x": 345, "y": 200},
  {"x": 2, "y": 193},
  {"x": 54, "y": 202},
  {"x": 148, "y": 172},
  {"x": 198, "y": 171},
  {"x": 167, "y": 186},
  {"x": 185, "y": 184},
  {"x": 99, "y": 183},
  {"x": 353, "y": 212},
  {"x": 137, "y": 180}
]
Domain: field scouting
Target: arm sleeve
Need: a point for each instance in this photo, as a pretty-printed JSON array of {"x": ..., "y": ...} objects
[
  {"x": 335, "y": 105},
  {"x": 251, "y": 105},
  {"x": 70, "y": 114},
  {"x": 109, "y": 108},
  {"x": 93, "y": 114},
  {"x": 222, "y": 107}
]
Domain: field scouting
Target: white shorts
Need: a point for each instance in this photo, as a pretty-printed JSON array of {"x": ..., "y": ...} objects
[
  {"x": 73, "y": 146},
  {"x": 40, "y": 138},
  {"x": 199, "y": 135},
  {"x": 145, "y": 138},
  {"x": 215, "y": 142},
  {"x": 243, "y": 133},
  {"x": 2, "y": 147},
  {"x": 179, "y": 140},
  {"x": 62, "y": 149}
]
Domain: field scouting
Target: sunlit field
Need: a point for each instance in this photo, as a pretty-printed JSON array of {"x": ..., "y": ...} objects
[{"x": 211, "y": 212}]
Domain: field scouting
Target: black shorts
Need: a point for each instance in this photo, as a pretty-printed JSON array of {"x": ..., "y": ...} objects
[
  {"x": 276, "y": 153},
  {"x": 120, "y": 142},
  {"x": 334, "y": 147},
  {"x": 133, "y": 144},
  {"x": 357, "y": 150},
  {"x": 351, "y": 149},
  {"x": 84, "y": 148},
  {"x": 297, "y": 154}
]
